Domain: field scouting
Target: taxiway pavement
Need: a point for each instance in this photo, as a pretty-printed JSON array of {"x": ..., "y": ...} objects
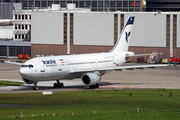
[{"x": 162, "y": 77}]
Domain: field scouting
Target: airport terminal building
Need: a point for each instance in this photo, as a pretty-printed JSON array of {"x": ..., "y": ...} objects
[{"x": 75, "y": 32}]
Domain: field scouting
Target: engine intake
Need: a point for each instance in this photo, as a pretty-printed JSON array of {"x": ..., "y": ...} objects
[{"x": 90, "y": 78}]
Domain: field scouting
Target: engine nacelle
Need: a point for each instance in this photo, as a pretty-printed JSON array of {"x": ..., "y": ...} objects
[
  {"x": 90, "y": 78},
  {"x": 25, "y": 81}
]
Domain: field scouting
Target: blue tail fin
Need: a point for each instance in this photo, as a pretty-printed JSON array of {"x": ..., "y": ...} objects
[{"x": 125, "y": 36}]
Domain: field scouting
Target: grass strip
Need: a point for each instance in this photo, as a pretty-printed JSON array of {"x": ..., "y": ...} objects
[
  {"x": 10, "y": 83},
  {"x": 152, "y": 104}
]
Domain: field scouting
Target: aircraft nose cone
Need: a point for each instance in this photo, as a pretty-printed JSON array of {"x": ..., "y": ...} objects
[
  {"x": 24, "y": 73},
  {"x": 21, "y": 72}
]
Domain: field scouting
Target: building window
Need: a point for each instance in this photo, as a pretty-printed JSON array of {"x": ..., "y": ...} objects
[
  {"x": 37, "y": 3},
  {"x": 16, "y": 27},
  {"x": 16, "y": 36},
  {"x": 115, "y": 28},
  {"x": 167, "y": 30},
  {"x": 30, "y": 3},
  {"x": 94, "y": 3},
  {"x": 50, "y": 3},
  {"x": 23, "y": 27},
  {"x": 12, "y": 51},
  {"x": 22, "y": 17},
  {"x": 56, "y": 2},
  {"x": 65, "y": 28},
  {"x": 25, "y": 3},
  {"x": 81, "y": 4},
  {"x": 19, "y": 36},
  {"x": 29, "y": 17},
  {"x": 63, "y": 3},
  {"x": 71, "y": 28},
  {"x": 100, "y": 3},
  {"x": 19, "y": 27},
  {"x": 26, "y": 27},
  {"x": 174, "y": 30},
  {"x": 19, "y": 17},
  {"x": 15, "y": 17},
  {"x": 106, "y": 4},
  {"x": 69, "y": 2},
  {"x": 22, "y": 36},
  {"x": 88, "y": 3},
  {"x": 122, "y": 22},
  {"x": 19, "y": 50},
  {"x": 76, "y": 2},
  {"x": 119, "y": 4},
  {"x": 27, "y": 50},
  {"x": 26, "y": 17},
  {"x": 112, "y": 3},
  {"x": 44, "y": 3},
  {"x": 3, "y": 50},
  {"x": 125, "y": 3}
]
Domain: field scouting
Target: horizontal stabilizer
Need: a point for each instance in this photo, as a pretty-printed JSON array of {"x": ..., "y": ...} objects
[{"x": 139, "y": 55}]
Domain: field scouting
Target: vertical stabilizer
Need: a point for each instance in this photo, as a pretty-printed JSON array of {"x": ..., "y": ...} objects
[{"x": 125, "y": 36}]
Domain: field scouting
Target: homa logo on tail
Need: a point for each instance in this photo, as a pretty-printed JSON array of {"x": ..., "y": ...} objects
[{"x": 127, "y": 35}]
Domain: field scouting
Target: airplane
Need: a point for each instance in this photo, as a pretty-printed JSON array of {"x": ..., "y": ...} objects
[{"x": 88, "y": 67}]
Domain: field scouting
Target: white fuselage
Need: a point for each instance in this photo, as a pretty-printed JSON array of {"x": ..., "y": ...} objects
[{"x": 59, "y": 67}]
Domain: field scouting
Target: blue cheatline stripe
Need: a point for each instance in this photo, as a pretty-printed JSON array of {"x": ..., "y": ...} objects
[{"x": 129, "y": 22}]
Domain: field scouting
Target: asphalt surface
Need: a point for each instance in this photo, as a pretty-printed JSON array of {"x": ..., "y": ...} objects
[{"x": 162, "y": 77}]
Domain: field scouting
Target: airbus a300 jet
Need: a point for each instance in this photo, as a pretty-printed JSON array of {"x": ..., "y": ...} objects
[{"x": 88, "y": 67}]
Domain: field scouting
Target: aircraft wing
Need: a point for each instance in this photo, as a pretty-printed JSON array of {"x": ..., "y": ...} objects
[
  {"x": 119, "y": 68},
  {"x": 138, "y": 55},
  {"x": 14, "y": 63}
]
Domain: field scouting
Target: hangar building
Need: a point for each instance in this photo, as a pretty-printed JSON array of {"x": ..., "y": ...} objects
[{"x": 72, "y": 32}]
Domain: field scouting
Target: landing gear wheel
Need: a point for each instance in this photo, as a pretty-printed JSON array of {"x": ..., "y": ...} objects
[
  {"x": 55, "y": 85},
  {"x": 97, "y": 85},
  {"x": 35, "y": 86},
  {"x": 94, "y": 86},
  {"x": 61, "y": 85},
  {"x": 58, "y": 84}
]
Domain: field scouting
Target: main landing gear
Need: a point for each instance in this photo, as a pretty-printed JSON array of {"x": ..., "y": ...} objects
[
  {"x": 94, "y": 86},
  {"x": 58, "y": 84},
  {"x": 35, "y": 86}
]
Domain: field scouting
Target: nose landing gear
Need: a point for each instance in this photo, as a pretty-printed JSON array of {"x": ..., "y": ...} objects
[
  {"x": 35, "y": 85},
  {"x": 58, "y": 84}
]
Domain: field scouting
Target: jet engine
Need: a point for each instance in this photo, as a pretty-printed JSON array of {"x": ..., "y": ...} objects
[
  {"x": 27, "y": 81},
  {"x": 90, "y": 79}
]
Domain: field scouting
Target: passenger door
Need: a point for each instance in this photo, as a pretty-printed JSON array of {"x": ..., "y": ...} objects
[
  {"x": 59, "y": 65},
  {"x": 42, "y": 67}
]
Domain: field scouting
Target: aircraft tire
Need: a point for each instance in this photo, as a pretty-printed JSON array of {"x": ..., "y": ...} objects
[
  {"x": 55, "y": 85},
  {"x": 35, "y": 88},
  {"x": 61, "y": 85},
  {"x": 96, "y": 85}
]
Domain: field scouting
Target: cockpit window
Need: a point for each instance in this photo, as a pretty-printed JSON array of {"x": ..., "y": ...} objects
[{"x": 30, "y": 66}]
